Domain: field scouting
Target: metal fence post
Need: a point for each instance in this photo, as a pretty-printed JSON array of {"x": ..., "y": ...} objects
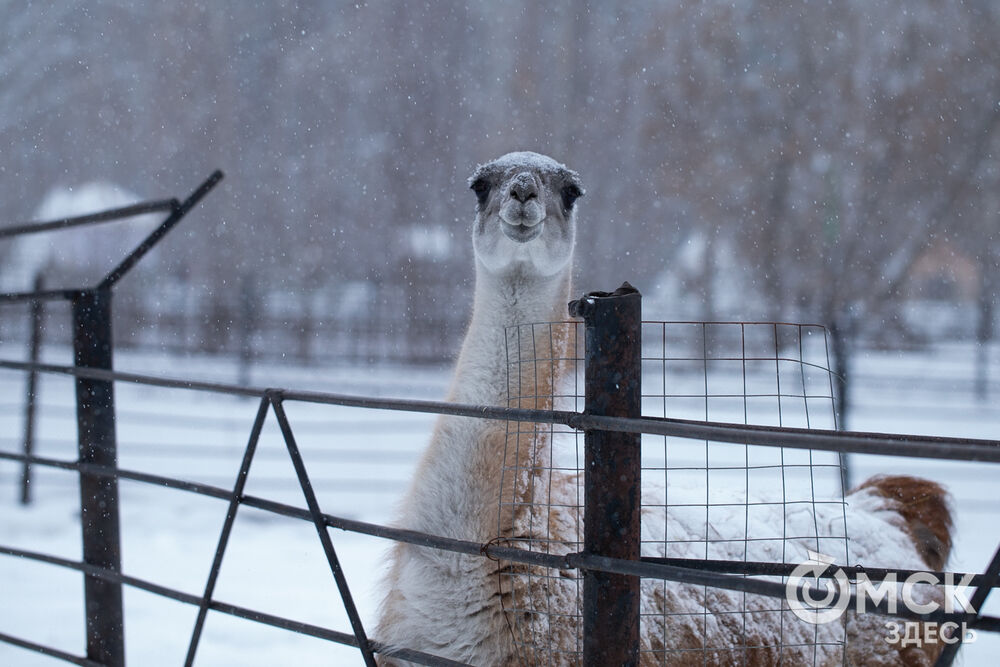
[
  {"x": 37, "y": 313},
  {"x": 612, "y": 488},
  {"x": 95, "y": 410},
  {"x": 247, "y": 319}
]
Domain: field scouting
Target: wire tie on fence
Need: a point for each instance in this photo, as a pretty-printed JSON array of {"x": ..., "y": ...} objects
[{"x": 484, "y": 549}]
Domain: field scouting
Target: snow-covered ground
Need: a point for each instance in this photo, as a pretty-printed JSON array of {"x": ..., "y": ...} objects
[{"x": 359, "y": 461}]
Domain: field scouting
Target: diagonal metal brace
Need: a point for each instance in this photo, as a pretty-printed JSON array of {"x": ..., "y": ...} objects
[
  {"x": 990, "y": 579},
  {"x": 178, "y": 212},
  {"x": 227, "y": 527},
  {"x": 318, "y": 520}
]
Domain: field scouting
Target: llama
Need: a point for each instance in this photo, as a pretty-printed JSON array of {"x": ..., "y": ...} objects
[{"x": 454, "y": 605}]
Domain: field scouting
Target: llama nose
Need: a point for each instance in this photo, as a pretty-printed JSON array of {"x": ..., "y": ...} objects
[{"x": 523, "y": 187}]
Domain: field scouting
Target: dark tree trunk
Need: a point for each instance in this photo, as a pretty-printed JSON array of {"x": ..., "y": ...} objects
[{"x": 984, "y": 326}]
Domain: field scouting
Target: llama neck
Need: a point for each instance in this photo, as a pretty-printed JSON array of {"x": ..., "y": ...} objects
[
  {"x": 481, "y": 375},
  {"x": 458, "y": 482}
]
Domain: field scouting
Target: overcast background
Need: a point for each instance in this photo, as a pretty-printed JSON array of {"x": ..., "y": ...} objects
[{"x": 830, "y": 162}]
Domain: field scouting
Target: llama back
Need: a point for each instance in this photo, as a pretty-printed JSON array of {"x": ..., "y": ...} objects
[
  {"x": 683, "y": 624},
  {"x": 900, "y": 522}
]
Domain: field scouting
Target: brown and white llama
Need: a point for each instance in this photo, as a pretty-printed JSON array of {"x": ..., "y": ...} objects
[{"x": 455, "y": 605}]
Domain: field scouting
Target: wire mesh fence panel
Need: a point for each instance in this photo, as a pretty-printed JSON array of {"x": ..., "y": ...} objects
[
  {"x": 702, "y": 500},
  {"x": 737, "y": 502},
  {"x": 542, "y": 493}
]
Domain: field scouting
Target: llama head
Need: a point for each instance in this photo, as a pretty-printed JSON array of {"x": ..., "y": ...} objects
[{"x": 525, "y": 215}]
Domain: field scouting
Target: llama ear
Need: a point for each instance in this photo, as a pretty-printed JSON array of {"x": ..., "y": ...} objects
[
  {"x": 482, "y": 189},
  {"x": 570, "y": 193}
]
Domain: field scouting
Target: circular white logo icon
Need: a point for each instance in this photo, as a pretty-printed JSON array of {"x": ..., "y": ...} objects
[{"x": 814, "y": 599}]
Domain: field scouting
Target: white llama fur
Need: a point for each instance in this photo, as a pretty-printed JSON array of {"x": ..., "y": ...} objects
[{"x": 452, "y": 605}]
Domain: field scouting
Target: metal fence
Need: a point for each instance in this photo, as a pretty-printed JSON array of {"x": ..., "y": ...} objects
[{"x": 611, "y": 567}]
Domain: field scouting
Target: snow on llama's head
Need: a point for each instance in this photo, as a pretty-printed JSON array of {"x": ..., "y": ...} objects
[{"x": 525, "y": 216}]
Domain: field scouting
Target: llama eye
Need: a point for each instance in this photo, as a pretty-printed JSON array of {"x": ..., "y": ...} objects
[
  {"x": 482, "y": 189},
  {"x": 570, "y": 194}
]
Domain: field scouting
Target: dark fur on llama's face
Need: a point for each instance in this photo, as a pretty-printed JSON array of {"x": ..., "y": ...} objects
[{"x": 525, "y": 214}]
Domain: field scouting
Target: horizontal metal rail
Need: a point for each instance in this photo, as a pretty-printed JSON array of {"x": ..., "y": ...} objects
[
  {"x": 688, "y": 571},
  {"x": 215, "y": 605},
  {"x": 42, "y": 295},
  {"x": 761, "y": 568},
  {"x": 112, "y": 215},
  {"x": 570, "y": 561},
  {"x": 48, "y": 650},
  {"x": 912, "y": 446},
  {"x": 177, "y": 211}
]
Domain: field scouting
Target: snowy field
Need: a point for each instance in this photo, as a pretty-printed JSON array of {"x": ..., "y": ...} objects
[{"x": 359, "y": 461}]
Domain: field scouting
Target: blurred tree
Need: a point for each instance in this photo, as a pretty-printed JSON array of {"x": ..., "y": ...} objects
[{"x": 827, "y": 143}]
